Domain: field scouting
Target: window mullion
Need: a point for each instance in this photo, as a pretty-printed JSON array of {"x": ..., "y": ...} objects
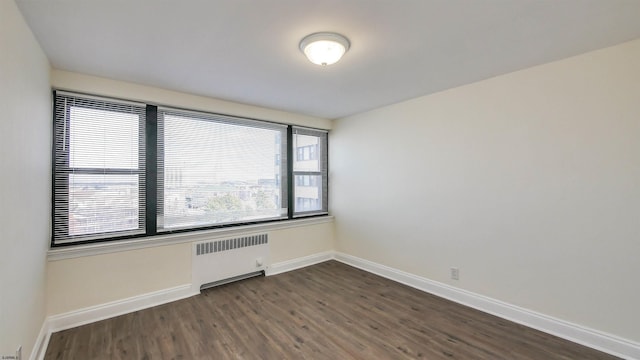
[
  {"x": 290, "y": 177},
  {"x": 151, "y": 168}
]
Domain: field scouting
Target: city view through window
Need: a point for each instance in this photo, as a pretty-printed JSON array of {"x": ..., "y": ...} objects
[
  {"x": 218, "y": 173},
  {"x": 104, "y": 181}
]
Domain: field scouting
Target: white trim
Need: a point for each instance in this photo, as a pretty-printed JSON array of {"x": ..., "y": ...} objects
[
  {"x": 42, "y": 341},
  {"x": 115, "y": 308},
  {"x": 608, "y": 343},
  {"x": 179, "y": 238},
  {"x": 289, "y": 265},
  {"x": 298, "y": 263}
]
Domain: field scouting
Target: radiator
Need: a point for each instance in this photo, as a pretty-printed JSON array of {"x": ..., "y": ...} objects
[{"x": 216, "y": 262}]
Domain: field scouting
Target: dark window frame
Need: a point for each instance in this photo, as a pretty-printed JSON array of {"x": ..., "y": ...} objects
[{"x": 321, "y": 151}]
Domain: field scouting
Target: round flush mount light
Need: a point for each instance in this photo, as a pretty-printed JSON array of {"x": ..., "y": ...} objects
[{"x": 324, "y": 48}]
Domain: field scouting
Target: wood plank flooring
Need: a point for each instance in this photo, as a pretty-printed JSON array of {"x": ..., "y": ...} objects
[{"x": 325, "y": 311}]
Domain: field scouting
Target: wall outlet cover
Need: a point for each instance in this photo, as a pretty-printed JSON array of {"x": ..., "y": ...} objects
[{"x": 455, "y": 273}]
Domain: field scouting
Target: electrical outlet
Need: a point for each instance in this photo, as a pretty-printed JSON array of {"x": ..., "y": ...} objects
[{"x": 455, "y": 273}]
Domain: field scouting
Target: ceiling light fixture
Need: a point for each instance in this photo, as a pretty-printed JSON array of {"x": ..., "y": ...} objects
[{"x": 324, "y": 48}]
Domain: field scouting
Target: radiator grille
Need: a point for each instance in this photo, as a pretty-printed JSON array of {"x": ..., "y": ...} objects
[{"x": 230, "y": 244}]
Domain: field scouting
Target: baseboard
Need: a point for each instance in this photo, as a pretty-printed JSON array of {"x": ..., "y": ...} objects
[
  {"x": 116, "y": 308},
  {"x": 298, "y": 263},
  {"x": 40, "y": 347},
  {"x": 576, "y": 333}
]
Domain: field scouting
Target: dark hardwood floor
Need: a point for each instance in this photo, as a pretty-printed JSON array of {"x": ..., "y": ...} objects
[{"x": 325, "y": 311}]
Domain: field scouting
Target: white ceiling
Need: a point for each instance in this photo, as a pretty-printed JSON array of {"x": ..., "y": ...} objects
[{"x": 247, "y": 50}]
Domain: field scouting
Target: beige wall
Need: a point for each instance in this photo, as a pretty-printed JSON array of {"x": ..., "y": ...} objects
[
  {"x": 528, "y": 182},
  {"x": 25, "y": 175},
  {"x": 94, "y": 280},
  {"x": 297, "y": 242}
]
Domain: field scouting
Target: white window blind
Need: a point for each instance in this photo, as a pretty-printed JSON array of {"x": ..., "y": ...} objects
[
  {"x": 216, "y": 170},
  {"x": 99, "y": 175}
]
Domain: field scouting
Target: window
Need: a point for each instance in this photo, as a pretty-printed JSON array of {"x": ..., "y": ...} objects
[
  {"x": 227, "y": 170},
  {"x": 310, "y": 171},
  {"x": 99, "y": 173},
  {"x": 125, "y": 169}
]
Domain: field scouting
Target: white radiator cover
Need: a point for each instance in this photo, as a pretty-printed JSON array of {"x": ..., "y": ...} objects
[{"x": 222, "y": 259}]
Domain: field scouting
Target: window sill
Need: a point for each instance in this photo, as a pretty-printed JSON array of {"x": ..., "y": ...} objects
[{"x": 162, "y": 240}]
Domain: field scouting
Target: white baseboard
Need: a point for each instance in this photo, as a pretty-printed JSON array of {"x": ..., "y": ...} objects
[
  {"x": 576, "y": 333},
  {"x": 40, "y": 347},
  {"x": 298, "y": 263},
  {"x": 116, "y": 308}
]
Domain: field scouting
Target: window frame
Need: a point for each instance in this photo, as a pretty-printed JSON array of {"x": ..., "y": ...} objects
[
  {"x": 321, "y": 153},
  {"x": 148, "y": 164}
]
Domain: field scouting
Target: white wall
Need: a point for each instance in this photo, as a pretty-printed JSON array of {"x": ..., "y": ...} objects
[
  {"x": 528, "y": 182},
  {"x": 78, "y": 283},
  {"x": 25, "y": 176}
]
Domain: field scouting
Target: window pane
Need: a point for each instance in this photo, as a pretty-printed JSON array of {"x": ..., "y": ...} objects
[
  {"x": 218, "y": 172},
  {"x": 103, "y": 139},
  {"x": 308, "y": 193},
  {"x": 306, "y": 150},
  {"x": 102, "y": 203}
]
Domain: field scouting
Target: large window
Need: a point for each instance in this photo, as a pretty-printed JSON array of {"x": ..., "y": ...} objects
[
  {"x": 218, "y": 170},
  {"x": 123, "y": 169}
]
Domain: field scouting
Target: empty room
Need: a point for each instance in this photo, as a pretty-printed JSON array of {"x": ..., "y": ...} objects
[{"x": 294, "y": 179}]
